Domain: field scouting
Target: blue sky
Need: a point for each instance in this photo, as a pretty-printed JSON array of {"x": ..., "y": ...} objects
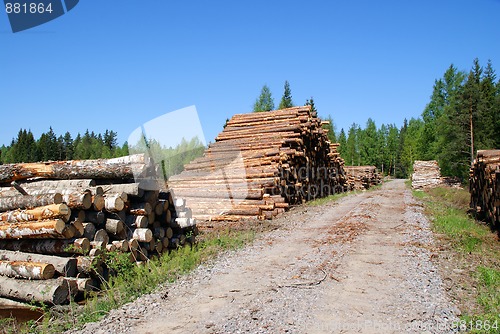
[{"x": 112, "y": 64}]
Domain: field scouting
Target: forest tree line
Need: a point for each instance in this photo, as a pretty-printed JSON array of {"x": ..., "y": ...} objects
[
  {"x": 462, "y": 116},
  {"x": 49, "y": 146}
]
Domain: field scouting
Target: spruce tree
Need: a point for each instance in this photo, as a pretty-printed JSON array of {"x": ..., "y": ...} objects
[
  {"x": 286, "y": 99},
  {"x": 265, "y": 100}
]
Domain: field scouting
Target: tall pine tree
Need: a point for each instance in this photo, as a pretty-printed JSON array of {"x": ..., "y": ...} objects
[{"x": 286, "y": 99}]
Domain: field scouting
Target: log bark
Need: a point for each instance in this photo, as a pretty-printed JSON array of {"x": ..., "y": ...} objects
[
  {"x": 118, "y": 168},
  {"x": 25, "y": 269},
  {"x": 97, "y": 218},
  {"x": 53, "y": 291},
  {"x": 45, "y": 212},
  {"x": 29, "y": 202},
  {"x": 42, "y": 229},
  {"x": 64, "y": 266},
  {"x": 49, "y": 246},
  {"x": 89, "y": 230}
]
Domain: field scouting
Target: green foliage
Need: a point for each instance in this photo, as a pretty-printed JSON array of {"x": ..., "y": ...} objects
[
  {"x": 461, "y": 118},
  {"x": 265, "y": 100},
  {"x": 286, "y": 99}
]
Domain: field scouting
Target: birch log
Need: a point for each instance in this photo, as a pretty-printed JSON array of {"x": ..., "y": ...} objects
[
  {"x": 45, "y": 212},
  {"x": 53, "y": 291},
  {"x": 118, "y": 168},
  {"x": 29, "y": 202},
  {"x": 25, "y": 269},
  {"x": 40, "y": 229},
  {"x": 64, "y": 266}
]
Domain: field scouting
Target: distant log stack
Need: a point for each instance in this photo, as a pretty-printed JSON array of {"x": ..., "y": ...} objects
[
  {"x": 260, "y": 164},
  {"x": 362, "y": 177},
  {"x": 58, "y": 220},
  {"x": 426, "y": 174},
  {"x": 484, "y": 186}
]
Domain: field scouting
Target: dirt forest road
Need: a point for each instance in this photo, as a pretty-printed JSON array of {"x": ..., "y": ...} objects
[{"x": 360, "y": 265}]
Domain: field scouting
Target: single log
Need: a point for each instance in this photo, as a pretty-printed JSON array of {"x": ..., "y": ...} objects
[
  {"x": 137, "y": 221},
  {"x": 142, "y": 209},
  {"x": 101, "y": 235},
  {"x": 64, "y": 266},
  {"x": 121, "y": 245},
  {"x": 52, "y": 291},
  {"x": 89, "y": 264},
  {"x": 81, "y": 284},
  {"x": 69, "y": 232},
  {"x": 114, "y": 203},
  {"x": 118, "y": 168},
  {"x": 131, "y": 189},
  {"x": 114, "y": 226},
  {"x": 142, "y": 234},
  {"x": 59, "y": 184},
  {"x": 78, "y": 215},
  {"x": 29, "y": 230},
  {"x": 45, "y": 212},
  {"x": 133, "y": 244},
  {"x": 49, "y": 246},
  {"x": 98, "y": 202},
  {"x": 79, "y": 228},
  {"x": 97, "y": 218},
  {"x": 25, "y": 269},
  {"x": 89, "y": 230},
  {"x": 110, "y": 247},
  {"x": 29, "y": 202},
  {"x": 78, "y": 200}
]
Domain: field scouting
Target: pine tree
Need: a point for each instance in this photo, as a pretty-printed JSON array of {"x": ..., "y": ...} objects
[
  {"x": 331, "y": 129},
  {"x": 343, "y": 143},
  {"x": 286, "y": 99},
  {"x": 265, "y": 100},
  {"x": 310, "y": 102}
]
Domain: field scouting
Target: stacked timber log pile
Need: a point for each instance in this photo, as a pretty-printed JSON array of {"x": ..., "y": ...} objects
[
  {"x": 55, "y": 234},
  {"x": 426, "y": 174},
  {"x": 260, "y": 164},
  {"x": 484, "y": 186},
  {"x": 362, "y": 177}
]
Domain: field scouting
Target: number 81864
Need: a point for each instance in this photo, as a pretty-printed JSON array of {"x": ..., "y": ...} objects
[{"x": 31, "y": 8}]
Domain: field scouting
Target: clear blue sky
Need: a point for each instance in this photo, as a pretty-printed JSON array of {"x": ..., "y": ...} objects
[{"x": 112, "y": 64}]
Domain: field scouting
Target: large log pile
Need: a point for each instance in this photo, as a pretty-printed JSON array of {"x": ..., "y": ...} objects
[
  {"x": 484, "y": 186},
  {"x": 260, "y": 164},
  {"x": 362, "y": 177},
  {"x": 55, "y": 234}
]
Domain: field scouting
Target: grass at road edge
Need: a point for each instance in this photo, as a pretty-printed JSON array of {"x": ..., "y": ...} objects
[
  {"x": 470, "y": 240},
  {"x": 132, "y": 281}
]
